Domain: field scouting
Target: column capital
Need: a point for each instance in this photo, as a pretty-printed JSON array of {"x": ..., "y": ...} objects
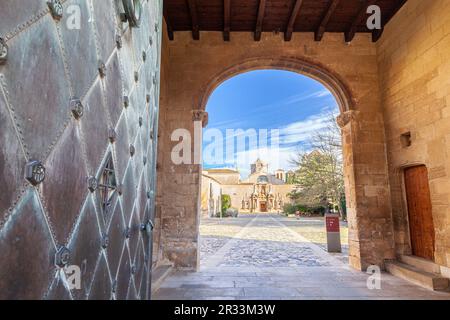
[
  {"x": 346, "y": 117},
  {"x": 200, "y": 115}
]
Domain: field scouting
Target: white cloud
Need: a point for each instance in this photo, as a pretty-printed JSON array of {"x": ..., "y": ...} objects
[
  {"x": 301, "y": 131},
  {"x": 282, "y": 148},
  {"x": 296, "y": 99},
  {"x": 256, "y": 111}
]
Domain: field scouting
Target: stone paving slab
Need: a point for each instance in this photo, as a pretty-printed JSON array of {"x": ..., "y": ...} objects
[{"x": 266, "y": 258}]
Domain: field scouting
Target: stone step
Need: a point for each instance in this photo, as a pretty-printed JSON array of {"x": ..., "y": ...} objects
[
  {"x": 159, "y": 275},
  {"x": 433, "y": 281},
  {"x": 421, "y": 264}
]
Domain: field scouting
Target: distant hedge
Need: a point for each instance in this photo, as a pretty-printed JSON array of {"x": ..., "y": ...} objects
[
  {"x": 292, "y": 208},
  {"x": 226, "y": 203}
]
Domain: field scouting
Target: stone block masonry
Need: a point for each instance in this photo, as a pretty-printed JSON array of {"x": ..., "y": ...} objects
[
  {"x": 414, "y": 64},
  {"x": 195, "y": 68},
  {"x": 396, "y": 88}
]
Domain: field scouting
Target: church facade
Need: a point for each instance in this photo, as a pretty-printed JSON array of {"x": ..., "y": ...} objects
[{"x": 261, "y": 191}]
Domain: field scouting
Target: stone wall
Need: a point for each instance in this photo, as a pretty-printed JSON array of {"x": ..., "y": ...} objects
[
  {"x": 211, "y": 196},
  {"x": 224, "y": 177},
  {"x": 196, "y": 68},
  {"x": 241, "y": 191},
  {"x": 414, "y": 68},
  {"x": 71, "y": 99}
]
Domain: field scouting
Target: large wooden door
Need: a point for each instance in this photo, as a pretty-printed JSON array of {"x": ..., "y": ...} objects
[{"x": 420, "y": 214}]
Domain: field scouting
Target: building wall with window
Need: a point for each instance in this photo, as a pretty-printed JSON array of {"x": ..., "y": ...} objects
[
  {"x": 211, "y": 196},
  {"x": 261, "y": 191}
]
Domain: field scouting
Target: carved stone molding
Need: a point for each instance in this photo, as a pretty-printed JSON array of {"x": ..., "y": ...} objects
[
  {"x": 346, "y": 117},
  {"x": 200, "y": 115}
]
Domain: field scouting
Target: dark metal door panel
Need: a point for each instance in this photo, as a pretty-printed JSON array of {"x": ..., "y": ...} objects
[{"x": 78, "y": 148}]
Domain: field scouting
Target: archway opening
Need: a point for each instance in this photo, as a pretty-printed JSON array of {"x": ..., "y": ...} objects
[{"x": 272, "y": 170}]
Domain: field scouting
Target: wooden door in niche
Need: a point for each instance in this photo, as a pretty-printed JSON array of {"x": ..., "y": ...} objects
[{"x": 421, "y": 224}]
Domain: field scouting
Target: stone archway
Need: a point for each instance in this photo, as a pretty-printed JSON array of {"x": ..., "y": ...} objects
[
  {"x": 331, "y": 81},
  {"x": 197, "y": 69}
]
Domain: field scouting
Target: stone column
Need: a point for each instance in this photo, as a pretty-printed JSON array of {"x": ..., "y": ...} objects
[
  {"x": 200, "y": 121},
  {"x": 367, "y": 189},
  {"x": 181, "y": 197}
]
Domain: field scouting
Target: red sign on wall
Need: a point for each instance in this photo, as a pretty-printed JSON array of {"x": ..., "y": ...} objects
[{"x": 332, "y": 223}]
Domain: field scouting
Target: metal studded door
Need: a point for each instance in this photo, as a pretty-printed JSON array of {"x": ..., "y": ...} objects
[{"x": 79, "y": 93}]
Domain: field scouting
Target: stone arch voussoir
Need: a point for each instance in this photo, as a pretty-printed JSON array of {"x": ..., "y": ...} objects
[{"x": 314, "y": 70}]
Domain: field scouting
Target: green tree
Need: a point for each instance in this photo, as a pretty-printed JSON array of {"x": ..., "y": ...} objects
[{"x": 226, "y": 203}]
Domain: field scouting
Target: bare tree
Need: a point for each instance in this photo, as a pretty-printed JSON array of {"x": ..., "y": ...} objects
[{"x": 320, "y": 171}]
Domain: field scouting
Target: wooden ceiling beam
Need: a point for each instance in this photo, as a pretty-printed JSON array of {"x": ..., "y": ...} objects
[
  {"x": 168, "y": 23},
  {"x": 260, "y": 19},
  {"x": 325, "y": 19},
  {"x": 227, "y": 20},
  {"x": 192, "y": 4},
  {"x": 198, "y": 13},
  {"x": 294, "y": 14},
  {"x": 350, "y": 33}
]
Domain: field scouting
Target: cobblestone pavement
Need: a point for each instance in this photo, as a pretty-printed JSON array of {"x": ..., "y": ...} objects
[
  {"x": 263, "y": 244},
  {"x": 271, "y": 257}
]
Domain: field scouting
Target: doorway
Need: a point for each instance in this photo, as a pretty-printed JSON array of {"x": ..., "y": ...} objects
[
  {"x": 420, "y": 212},
  {"x": 263, "y": 206}
]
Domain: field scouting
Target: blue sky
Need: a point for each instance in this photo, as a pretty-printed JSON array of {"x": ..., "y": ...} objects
[{"x": 293, "y": 104}]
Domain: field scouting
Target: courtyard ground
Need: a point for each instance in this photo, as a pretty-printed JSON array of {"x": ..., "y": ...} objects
[{"x": 271, "y": 257}]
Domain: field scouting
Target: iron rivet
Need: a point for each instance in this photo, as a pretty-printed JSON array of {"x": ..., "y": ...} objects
[
  {"x": 119, "y": 189},
  {"x": 144, "y": 56},
  {"x": 136, "y": 76},
  {"x": 92, "y": 184},
  {"x": 101, "y": 68},
  {"x": 123, "y": 17},
  {"x": 147, "y": 97},
  {"x": 118, "y": 41},
  {"x": 156, "y": 27},
  {"x": 145, "y": 160},
  {"x": 62, "y": 257},
  {"x": 132, "y": 150},
  {"x": 151, "y": 135},
  {"x": 77, "y": 108},
  {"x": 105, "y": 241},
  {"x": 141, "y": 120},
  {"x": 149, "y": 194},
  {"x": 127, "y": 233},
  {"x": 155, "y": 81},
  {"x": 114, "y": 286},
  {"x": 149, "y": 226},
  {"x": 126, "y": 101},
  {"x": 133, "y": 269},
  {"x": 56, "y": 9},
  {"x": 34, "y": 172},
  {"x": 3, "y": 51},
  {"x": 150, "y": 40},
  {"x": 112, "y": 135}
]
